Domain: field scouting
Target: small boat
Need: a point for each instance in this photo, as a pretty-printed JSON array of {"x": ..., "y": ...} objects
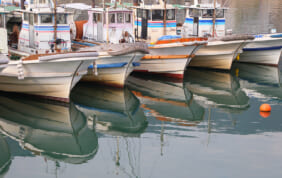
[
  {"x": 221, "y": 50},
  {"x": 110, "y": 25},
  {"x": 170, "y": 54},
  {"x": 265, "y": 49},
  {"x": 53, "y": 130},
  {"x": 166, "y": 100},
  {"x": 115, "y": 111},
  {"x": 45, "y": 67}
]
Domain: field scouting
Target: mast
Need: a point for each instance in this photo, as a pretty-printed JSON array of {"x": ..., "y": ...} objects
[
  {"x": 164, "y": 33},
  {"x": 55, "y": 25},
  {"x": 214, "y": 17}
]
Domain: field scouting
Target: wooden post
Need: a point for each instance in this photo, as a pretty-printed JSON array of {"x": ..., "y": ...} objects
[
  {"x": 214, "y": 18},
  {"x": 55, "y": 25}
]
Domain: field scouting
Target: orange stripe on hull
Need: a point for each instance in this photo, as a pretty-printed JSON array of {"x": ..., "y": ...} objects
[
  {"x": 167, "y": 56},
  {"x": 181, "y": 40}
]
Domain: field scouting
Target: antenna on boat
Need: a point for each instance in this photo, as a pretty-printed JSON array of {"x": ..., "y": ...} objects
[{"x": 214, "y": 17}]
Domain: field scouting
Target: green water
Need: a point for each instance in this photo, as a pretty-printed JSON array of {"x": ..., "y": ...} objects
[{"x": 207, "y": 126}]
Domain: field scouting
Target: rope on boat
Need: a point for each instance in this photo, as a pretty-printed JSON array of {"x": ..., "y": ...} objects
[{"x": 20, "y": 70}]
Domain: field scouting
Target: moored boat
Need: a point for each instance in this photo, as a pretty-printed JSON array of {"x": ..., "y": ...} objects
[
  {"x": 221, "y": 50},
  {"x": 109, "y": 25},
  {"x": 169, "y": 54},
  {"x": 265, "y": 49}
]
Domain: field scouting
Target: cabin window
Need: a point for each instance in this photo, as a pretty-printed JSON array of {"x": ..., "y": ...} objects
[
  {"x": 42, "y": 2},
  {"x": 36, "y": 18},
  {"x": 120, "y": 18},
  {"x": 31, "y": 19},
  {"x": 25, "y": 16},
  {"x": 95, "y": 17},
  {"x": 139, "y": 13},
  {"x": 2, "y": 20},
  {"x": 99, "y": 17},
  {"x": 194, "y": 12},
  {"x": 61, "y": 19},
  {"x": 207, "y": 13},
  {"x": 170, "y": 14},
  {"x": 112, "y": 18},
  {"x": 46, "y": 18},
  {"x": 157, "y": 15},
  {"x": 219, "y": 13},
  {"x": 128, "y": 18}
]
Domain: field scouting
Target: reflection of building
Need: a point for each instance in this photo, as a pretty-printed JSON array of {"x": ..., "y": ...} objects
[{"x": 54, "y": 131}]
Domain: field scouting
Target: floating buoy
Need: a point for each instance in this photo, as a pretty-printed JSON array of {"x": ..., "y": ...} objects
[
  {"x": 265, "y": 108},
  {"x": 264, "y": 114}
]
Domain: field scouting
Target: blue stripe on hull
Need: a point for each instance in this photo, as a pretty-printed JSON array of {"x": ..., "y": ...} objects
[
  {"x": 262, "y": 49},
  {"x": 105, "y": 66}
]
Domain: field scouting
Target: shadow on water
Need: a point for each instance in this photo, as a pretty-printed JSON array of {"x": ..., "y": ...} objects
[
  {"x": 56, "y": 132},
  {"x": 114, "y": 111}
]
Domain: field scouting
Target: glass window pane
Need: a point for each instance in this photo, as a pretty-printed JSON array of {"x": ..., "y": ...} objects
[
  {"x": 26, "y": 16},
  {"x": 170, "y": 14},
  {"x": 120, "y": 17},
  {"x": 157, "y": 15},
  {"x": 219, "y": 13},
  {"x": 194, "y": 12},
  {"x": 95, "y": 18},
  {"x": 207, "y": 13},
  {"x": 36, "y": 18},
  {"x": 2, "y": 20},
  {"x": 128, "y": 18},
  {"x": 46, "y": 18},
  {"x": 61, "y": 19},
  {"x": 112, "y": 18}
]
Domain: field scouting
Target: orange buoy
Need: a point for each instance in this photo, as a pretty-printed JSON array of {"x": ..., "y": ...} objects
[
  {"x": 264, "y": 114},
  {"x": 265, "y": 108}
]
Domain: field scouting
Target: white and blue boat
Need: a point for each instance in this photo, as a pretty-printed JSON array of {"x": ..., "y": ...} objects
[{"x": 265, "y": 49}]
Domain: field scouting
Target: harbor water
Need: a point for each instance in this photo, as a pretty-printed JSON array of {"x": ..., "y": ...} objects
[{"x": 209, "y": 125}]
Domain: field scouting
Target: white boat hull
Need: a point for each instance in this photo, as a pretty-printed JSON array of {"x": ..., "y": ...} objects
[
  {"x": 170, "y": 61},
  {"x": 262, "y": 52},
  {"x": 114, "y": 70},
  {"x": 217, "y": 55},
  {"x": 53, "y": 80}
]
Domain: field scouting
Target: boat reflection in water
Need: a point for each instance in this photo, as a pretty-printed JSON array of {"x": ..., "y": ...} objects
[
  {"x": 57, "y": 132},
  {"x": 259, "y": 81},
  {"x": 5, "y": 156},
  {"x": 213, "y": 89},
  {"x": 114, "y": 111},
  {"x": 166, "y": 100}
]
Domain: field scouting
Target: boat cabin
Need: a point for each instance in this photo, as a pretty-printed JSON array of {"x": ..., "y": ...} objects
[
  {"x": 199, "y": 21},
  {"x": 39, "y": 30},
  {"x": 109, "y": 25},
  {"x": 3, "y": 32},
  {"x": 150, "y": 23}
]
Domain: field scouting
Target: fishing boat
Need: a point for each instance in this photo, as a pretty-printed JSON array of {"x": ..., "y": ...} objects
[
  {"x": 166, "y": 100},
  {"x": 46, "y": 66},
  {"x": 114, "y": 111},
  {"x": 108, "y": 25},
  {"x": 221, "y": 50},
  {"x": 53, "y": 130},
  {"x": 265, "y": 49},
  {"x": 215, "y": 89},
  {"x": 169, "y": 53}
]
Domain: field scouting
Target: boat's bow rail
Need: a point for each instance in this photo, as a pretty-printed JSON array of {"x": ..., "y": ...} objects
[{"x": 119, "y": 49}]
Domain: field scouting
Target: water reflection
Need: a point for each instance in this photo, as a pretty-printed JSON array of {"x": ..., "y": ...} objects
[
  {"x": 5, "y": 156},
  {"x": 57, "y": 132},
  {"x": 166, "y": 100},
  {"x": 259, "y": 81},
  {"x": 114, "y": 111},
  {"x": 213, "y": 89}
]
